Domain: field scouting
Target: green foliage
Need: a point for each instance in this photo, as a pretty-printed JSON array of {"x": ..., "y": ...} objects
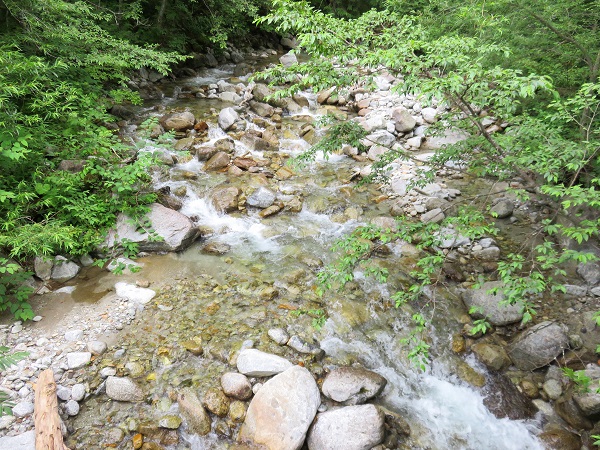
[
  {"x": 471, "y": 58},
  {"x": 319, "y": 317},
  {"x": 14, "y": 293},
  {"x": 6, "y": 360}
]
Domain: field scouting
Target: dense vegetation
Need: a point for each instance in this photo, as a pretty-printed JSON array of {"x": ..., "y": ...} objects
[
  {"x": 533, "y": 64},
  {"x": 66, "y": 174}
]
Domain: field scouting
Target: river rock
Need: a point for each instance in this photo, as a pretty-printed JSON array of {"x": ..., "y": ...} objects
[
  {"x": 403, "y": 120},
  {"x": 204, "y": 153},
  {"x": 198, "y": 420},
  {"x": 492, "y": 355},
  {"x": 555, "y": 437},
  {"x": 282, "y": 410},
  {"x": 216, "y": 402},
  {"x": 63, "y": 269},
  {"x": 434, "y": 216},
  {"x": 503, "y": 208},
  {"x": 24, "y": 441},
  {"x": 78, "y": 392},
  {"x": 71, "y": 408},
  {"x": 76, "y": 360},
  {"x": 227, "y": 117},
  {"x": 279, "y": 335},
  {"x": 97, "y": 347},
  {"x": 218, "y": 161},
  {"x": 255, "y": 363},
  {"x": 289, "y": 59},
  {"x": 353, "y": 385},
  {"x": 226, "y": 199},
  {"x": 133, "y": 293},
  {"x": 589, "y": 402},
  {"x": 538, "y": 346},
  {"x": 170, "y": 422},
  {"x": 262, "y": 109},
  {"x": 429, "y": 114},
  {"x": 489, "y": 305},
  {"x": 123, "y": 389},
  {"x": 43, "y": 267},
  {"x": 22, "y": 409},
  {"x": 230, "y": 97},
  {"x": 349, "y": 428},
  {"x": 236, "y": 385},
  {"x": 180, "y": 121},
  {"x": 261, "y": 198},
  {"x": 175, "y": 230},
  {"x": 590, "y": 272},
  {"x": 74, "y": 335},
  {"x": 301, "y": 346}
]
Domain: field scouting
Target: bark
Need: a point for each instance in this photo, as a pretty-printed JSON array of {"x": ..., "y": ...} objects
[{"x": 48, "y": 435}]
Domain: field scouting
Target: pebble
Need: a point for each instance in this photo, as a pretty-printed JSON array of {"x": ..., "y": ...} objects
[
  {"x": 97, "y": 347},
  {"x": 108, "y": 372},
  {"x": 279, "y": 335},
  {"x": 72, "y": 408},
  {"x": 78, "y": 392},
  {"x": 37, "y": 318},
  {"x": 63, "y": 393}
]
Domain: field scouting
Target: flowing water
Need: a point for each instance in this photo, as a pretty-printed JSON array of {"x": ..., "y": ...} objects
[{"x": 269, "y": 272}]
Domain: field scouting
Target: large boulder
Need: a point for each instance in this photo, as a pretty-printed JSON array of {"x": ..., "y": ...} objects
[
  {"x": 282, "y": 410},
  {"x": 227, "y": 117},
  {"x": 289, "y": 59},
  {"x": 349, "y": 428},
  {"x": 589, "y": 402},
  {"x": 590, "y": 272},
  {"x": 538, "y": 346},
  {"x": 353, "y": 385},
  {"x": 488, "y": 305},
  {"x": 63, "y": 269},
  {"x": 255, "y": 363},
  {"x": 180, "y": 121},
  {"x": 175, "y": 231}
]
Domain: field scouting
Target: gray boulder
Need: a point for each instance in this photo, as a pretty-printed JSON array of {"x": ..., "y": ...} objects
[
  {"x": 262, "y": 109},
  {"x": 352, "y": 385},
  {"x": 180, "y": 121},
  {"x": 76, "y": 360},
  {"x": 589, "y": 402},
  {"x": 25, "y": 441},
  {"x": 538, "y": 346},
  {"x": 289, "y": 59},
  {"x": 63, "y": 269},
  {"x": 282, "y": 410},
  {"x": 227, "y": 117},
  {"x": 590, "y": 272},
  {"x": 123, "y": 389},
  {"x": 255, "y": 363},
  {"x": 176, "y": 230},
  {"x": 488, "y": 305},
  {"x": 43, "y": 267},
  {"x": 403, "y": 120},
  {"x": 503, "y": 208},
  {"x": 349, "y": 428},
  {"x": 261, "y": 198}
]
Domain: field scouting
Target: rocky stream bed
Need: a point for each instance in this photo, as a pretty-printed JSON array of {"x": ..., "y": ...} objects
[{"x": 219, "y": 341}]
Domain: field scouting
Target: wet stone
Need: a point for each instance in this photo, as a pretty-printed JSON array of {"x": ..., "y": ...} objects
[
  {"x": 236, "y": 385},
  {"x": 302, "y": 346},
  {"x": 237, "y": 411},
  {"x": 171, "y": 422},
  {"x": 353, "y": 385},
  {"x": 123, "y": 389},
  {"x": 72, "y": 408},
  {"x": 255, "y": 363},
  {"x": 279, "y": 335},
  {"x": 197, "y": 418},
  {"x": 78, "y": 392},
  {"x": 216, "y": 402}
]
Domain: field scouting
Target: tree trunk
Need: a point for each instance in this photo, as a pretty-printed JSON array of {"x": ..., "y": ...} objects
[
  {"x": 47, "y": 421},
  {"x": 161, "y": 13}
]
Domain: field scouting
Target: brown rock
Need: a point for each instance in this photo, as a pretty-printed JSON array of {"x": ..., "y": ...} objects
[
  {"x": 226, "y": 199},
  {"x": 216, "y": 402},
  {"x": 219, "y": 161},
  {"x": 204, "y": 153}
]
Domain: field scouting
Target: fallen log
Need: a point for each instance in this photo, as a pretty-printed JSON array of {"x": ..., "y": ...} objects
[{"x": 48, "y": 435}]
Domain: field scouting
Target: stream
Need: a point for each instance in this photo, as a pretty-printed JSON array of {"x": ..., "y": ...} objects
[{"x": 265, "y": 279}]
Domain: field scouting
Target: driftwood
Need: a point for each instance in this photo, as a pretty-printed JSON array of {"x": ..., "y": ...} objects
[{"x": 48, "y": 435}]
